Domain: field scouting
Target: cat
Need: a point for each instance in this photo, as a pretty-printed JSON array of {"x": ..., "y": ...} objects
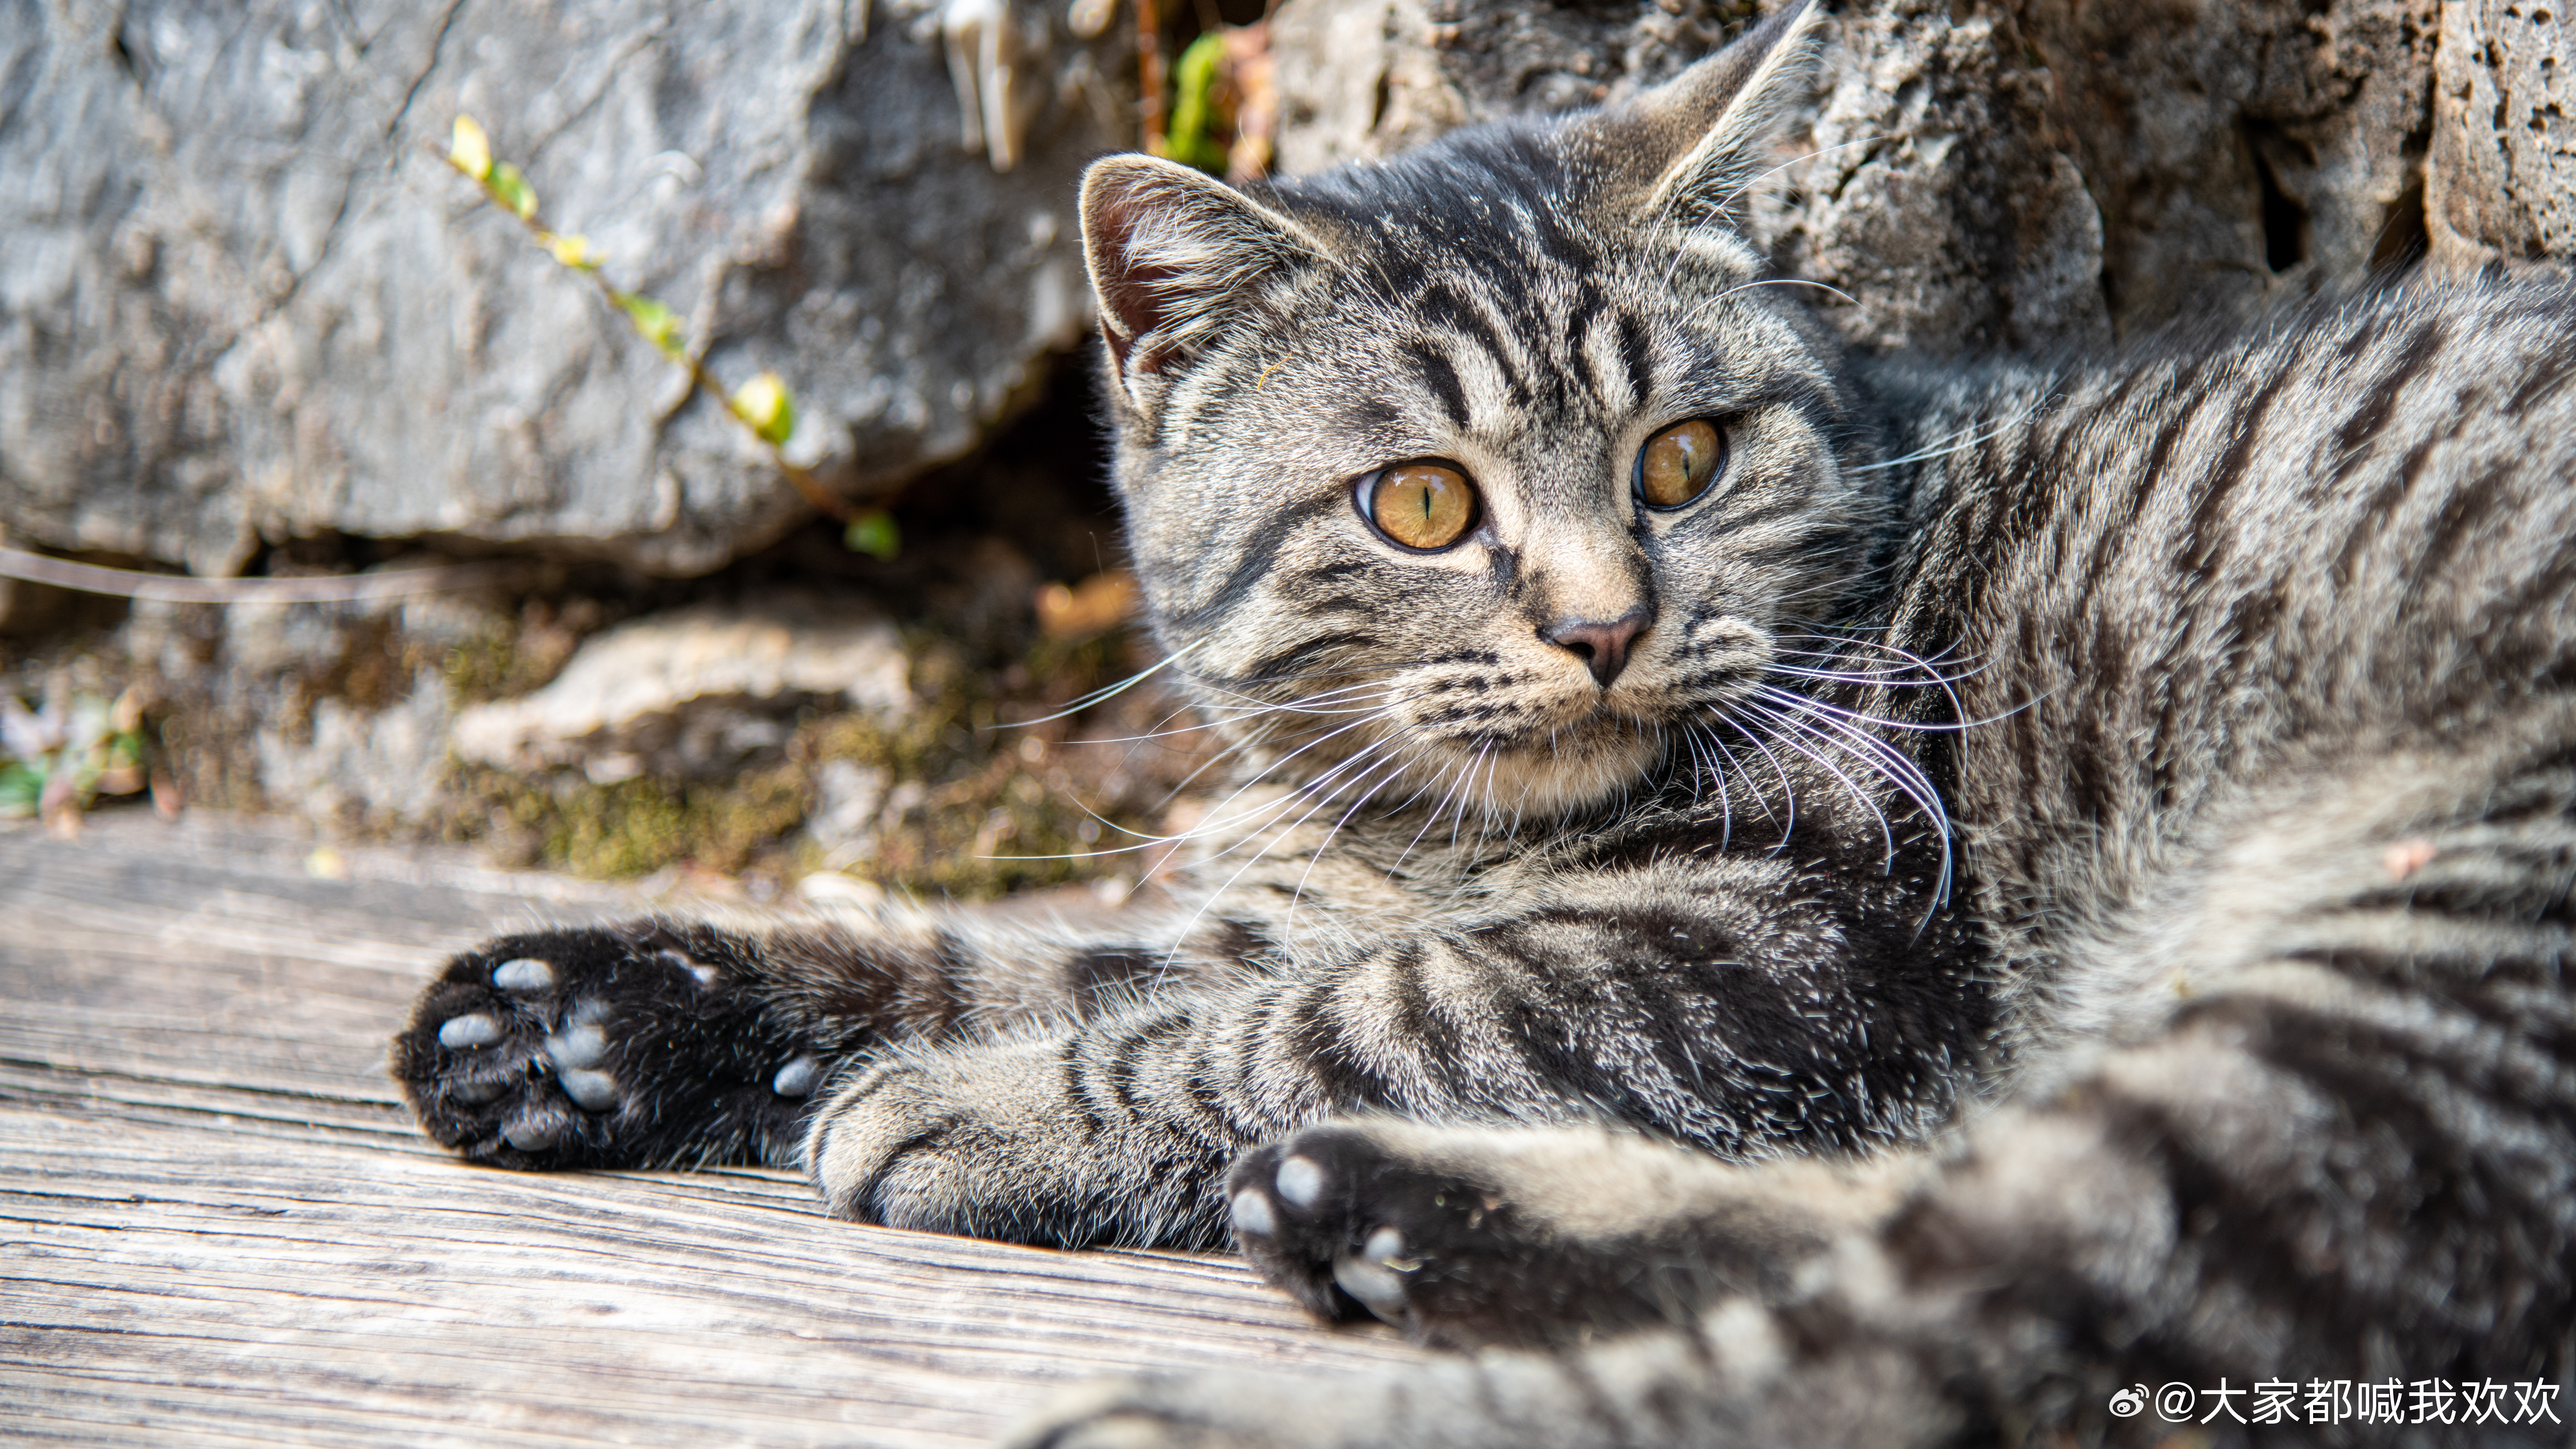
[{"x": 1784, "y": 897}]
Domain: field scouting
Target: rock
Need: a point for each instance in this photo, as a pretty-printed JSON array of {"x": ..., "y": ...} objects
[
  {"x": 2501, "y": 182},
  {"x": 243, "y": 298},
  {"x": 843, "y": 820},
  {"x": 692, "y": 691},
  {"x": 356, "y": 765},
  {"x": 1978, "y": 174}
]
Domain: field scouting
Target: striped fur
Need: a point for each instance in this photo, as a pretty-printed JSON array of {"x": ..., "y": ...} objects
[{"x": 1763, "y": 1045}]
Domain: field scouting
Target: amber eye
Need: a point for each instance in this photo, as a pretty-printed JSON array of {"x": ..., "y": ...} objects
[
  {"x": 1679, "y": 463},
  {"x": 1419, "y": 505}
]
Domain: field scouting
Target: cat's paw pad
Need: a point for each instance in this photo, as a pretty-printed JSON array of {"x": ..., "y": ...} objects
[
  {"x": 1344, "y": 1220},
  {"x": 601, "y": 1047}
]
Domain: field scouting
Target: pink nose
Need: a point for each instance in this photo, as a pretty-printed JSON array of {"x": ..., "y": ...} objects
[{"x": 1603, "y": 648}]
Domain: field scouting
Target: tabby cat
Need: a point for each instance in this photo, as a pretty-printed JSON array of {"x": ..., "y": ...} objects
[{"x": 1792, "y": 898}]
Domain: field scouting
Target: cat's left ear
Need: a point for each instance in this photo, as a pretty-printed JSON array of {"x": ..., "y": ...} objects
[
  {"x": 1175, "y": 256},
  {"x": 1708, "y": 130}
]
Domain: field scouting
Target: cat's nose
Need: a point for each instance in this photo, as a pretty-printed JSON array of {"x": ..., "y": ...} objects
[{"x": 1603, "y": 647}]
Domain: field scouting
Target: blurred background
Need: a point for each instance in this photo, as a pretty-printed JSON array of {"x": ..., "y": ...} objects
[{"x": 265, "y": 314}]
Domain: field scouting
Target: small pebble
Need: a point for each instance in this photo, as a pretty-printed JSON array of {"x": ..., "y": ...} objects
[
  {"x": 595, "y": 1091},
  {"x": 527, "y": 973},
  {"x": 796, "y": 1079},
  {"x": 474, "y": 1030},
  {"x": 1300, "y": 1181},
  {"x": 536, "y": 1131},
  {"x": 1252, "y": 1215},
  {"x": 576, "y": 1047}
]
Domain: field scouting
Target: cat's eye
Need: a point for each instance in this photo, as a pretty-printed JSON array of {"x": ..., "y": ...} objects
[
  {"x": 1679, "y": 463},
  {"x": 1419, "y": 505}
]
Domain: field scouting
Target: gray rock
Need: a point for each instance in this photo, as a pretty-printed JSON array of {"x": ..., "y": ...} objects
[
  {"x": 241, "y": 297},
  {"x": 1983, "y": 174},
  {"x": 693, "y": 690},
  {"x": 2501, "y": 180}
]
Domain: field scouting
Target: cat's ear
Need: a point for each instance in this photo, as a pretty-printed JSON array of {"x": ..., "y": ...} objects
[
  {"x": 1707, "y": 131},
  {"x": 1175, "y": 253}
]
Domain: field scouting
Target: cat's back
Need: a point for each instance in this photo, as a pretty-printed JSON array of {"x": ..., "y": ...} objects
[{"x": 2196, "y": 571}]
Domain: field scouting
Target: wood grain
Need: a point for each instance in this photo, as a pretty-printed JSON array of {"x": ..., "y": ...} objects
[{"x": 218, "y": 1226}]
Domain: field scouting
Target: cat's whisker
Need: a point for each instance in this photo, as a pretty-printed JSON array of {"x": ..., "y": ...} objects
[
  {"x": 1789, "y": 731},
  {"x": 1724, "y": 203},
  {"x": 1858, "y": 716},
  {"x": 1394, "y": 771},
  {"x": 1775, "y": 282},
  {"x": 1733, "y": 771},
  {"x": 1322, "y": 799},
  {"x": 1102, "y": 695},
  {"x": 1827, "y": 725},
  {"x": 1216, "y": 820},
  {"x": 1944, "y": 448},
  {"x": 1788, "y": 789}
]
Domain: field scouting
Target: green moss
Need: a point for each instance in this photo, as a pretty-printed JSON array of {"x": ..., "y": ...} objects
[{"x": 989, "y": 818}]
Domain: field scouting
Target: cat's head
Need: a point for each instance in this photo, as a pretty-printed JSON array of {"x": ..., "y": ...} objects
[{"x": 1474, "y": 474}]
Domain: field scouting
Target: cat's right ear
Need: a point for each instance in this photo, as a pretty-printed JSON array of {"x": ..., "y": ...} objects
[
  {"x": 1707, "y": 131},
  {"x": 1174, "y": 254}
]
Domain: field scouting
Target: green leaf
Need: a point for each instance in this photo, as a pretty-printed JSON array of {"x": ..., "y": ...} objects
[
  {"x": 21, "y": 791},
  {"x": 511, "y": 189},
  {"x": 573, "y": 250},
  {"x": 469, "y": 150},
  {"x": 873, "y": 533},
  {"x": 655, "y": 322},
  {"x": 1193, "y": 79},
  {"x": 764, "y": 404}
]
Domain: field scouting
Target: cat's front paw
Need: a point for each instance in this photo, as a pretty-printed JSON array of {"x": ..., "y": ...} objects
[
  {"x": 1469, "y": 1237},
  {"x": 1344, "y": 1220},
  {"x": 628, "y": 1046},
  {"x": 987, "y": 1142}
]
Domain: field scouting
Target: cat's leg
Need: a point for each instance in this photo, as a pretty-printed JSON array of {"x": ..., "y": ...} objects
[
  {"x": 678, "y": 1043},
  {"x": 1469, "y": 1237},
  {"x": 1742, "y": 1004}
]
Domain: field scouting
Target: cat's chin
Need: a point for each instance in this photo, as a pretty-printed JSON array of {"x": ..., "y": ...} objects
[{"x": 1568, "y": 773}]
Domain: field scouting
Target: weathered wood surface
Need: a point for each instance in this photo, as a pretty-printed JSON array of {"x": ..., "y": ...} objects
[{"x": 217, "y": 1224}]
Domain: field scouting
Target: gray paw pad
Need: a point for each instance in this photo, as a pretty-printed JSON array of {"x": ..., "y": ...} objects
[
  {"x": 707, "y": 976},
  {"x": 1375, "y": 1275},
  {"x": 1252, "y": 1215},
  {"x": 797, "y": 1078},
  {"x": 581, "y": 1044},
  {"x": 595, "y": 1091},
  {"x": 1379, "y": 1289},
  {"x": 476, "y": 1091},
  {"x": 536, "y": 1130},
  {"x": 527, "y": 973},
  {"x": 477, "y": 1029},
  {"x": 1385, "y": 1248},
  {"x": 1301, "y": 1181}
]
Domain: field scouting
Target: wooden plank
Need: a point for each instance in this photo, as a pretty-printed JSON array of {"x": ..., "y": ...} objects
[{"x": 217, "y": 1224}]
